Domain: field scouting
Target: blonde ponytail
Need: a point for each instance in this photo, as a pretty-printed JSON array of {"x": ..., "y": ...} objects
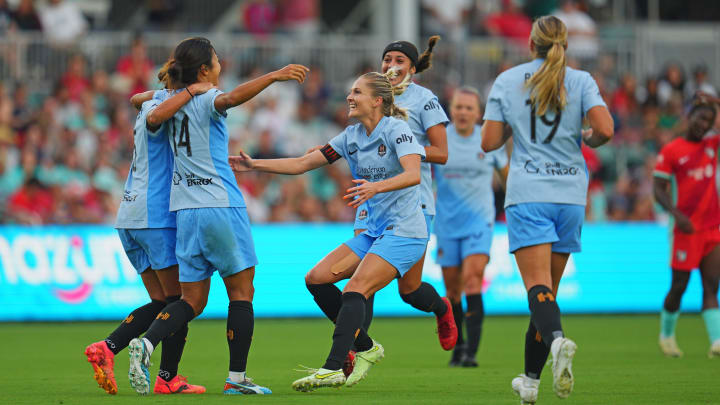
[
  {"x": 380, "y": 86},
  {"x": 547, "y": 84},
  {"x": 399, "y": 88}
]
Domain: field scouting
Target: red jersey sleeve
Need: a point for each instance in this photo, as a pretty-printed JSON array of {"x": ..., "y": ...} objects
[{"x": 665, "y": 165}]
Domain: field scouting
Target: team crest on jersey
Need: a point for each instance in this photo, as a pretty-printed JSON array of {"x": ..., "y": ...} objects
[
  {"x": 362, "y": 215},
  {"x": 382, "y": 150},
  {"x": 481, "y": 155},
  {"x": 681, "y": 255},
  {"x": 710, "y": 152},
  {"x": 177, "y": 178}
]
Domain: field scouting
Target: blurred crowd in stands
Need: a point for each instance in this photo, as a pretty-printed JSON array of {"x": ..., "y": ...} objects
[{"x": 64, "y": 157}]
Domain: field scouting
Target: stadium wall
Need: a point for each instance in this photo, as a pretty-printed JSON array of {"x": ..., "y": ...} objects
[{"x": 63, "y": 273}]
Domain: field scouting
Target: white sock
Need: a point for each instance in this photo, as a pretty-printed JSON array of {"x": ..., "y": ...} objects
[
  {"x": 148, "y": 346},
  {"x": 236, "y": 376}
]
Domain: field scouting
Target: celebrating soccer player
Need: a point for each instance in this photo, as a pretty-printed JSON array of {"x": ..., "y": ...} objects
[
  {"x": 465, "y": 218},
  {"x": 544, "y": 103},
  {"x": 384, "y": 158}
]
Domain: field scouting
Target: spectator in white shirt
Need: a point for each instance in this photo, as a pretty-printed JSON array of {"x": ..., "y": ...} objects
[
  {"x": 582, "y": 32},
  {"x": 62, "y": 22}
]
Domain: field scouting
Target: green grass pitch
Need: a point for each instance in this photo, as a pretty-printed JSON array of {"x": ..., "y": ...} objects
[{"x": 618, "y": 362}]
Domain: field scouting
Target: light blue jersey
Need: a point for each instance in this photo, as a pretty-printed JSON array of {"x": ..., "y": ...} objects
[
  {"x": 424, "y": 111},
  {"x": 465, "y": 199},
  {"x": 547, "y": 165},
  {"x": 146, "y": 200},
  {"x": 199, "y": 139},
  {"x": 375, "y": 158}
]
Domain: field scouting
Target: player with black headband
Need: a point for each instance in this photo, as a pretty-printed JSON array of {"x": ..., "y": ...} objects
[{"x": 427, "y": 120}]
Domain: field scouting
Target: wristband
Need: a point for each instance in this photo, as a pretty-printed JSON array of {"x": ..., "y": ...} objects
[{"x": 188, "y": 90}]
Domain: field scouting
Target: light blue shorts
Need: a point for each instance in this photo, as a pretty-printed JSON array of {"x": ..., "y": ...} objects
[
  {"x": 532, "y": 224},
  {"x": 149, "y": 248},
  {"x": 401, "y": 252},
  {"x": 452, "y": 251},
  {"x": 210, "y": 239}
]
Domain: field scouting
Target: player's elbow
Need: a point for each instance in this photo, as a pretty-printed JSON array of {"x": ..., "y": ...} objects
[
  {"x": 153, "y": 120},
  {"x": 441, "y": 157},
  {"x": 605, "y": 131}
]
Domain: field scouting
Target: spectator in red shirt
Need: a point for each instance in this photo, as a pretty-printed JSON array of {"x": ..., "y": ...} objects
[
  {"x": 32, "y": 204},
  {"x": 136, "y": 67},
  {"x": 75, "y": 80},
  {"x": 510, "y": 23}
]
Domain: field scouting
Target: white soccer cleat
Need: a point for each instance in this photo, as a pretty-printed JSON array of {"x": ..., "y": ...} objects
[
  {"x": 319, "y": 378},
  {"x": 563, "y": 351},
  {"x": 669, "y": 346},
  {"x": 139, "y": 373},
  {"x": 714, "y": 349},
  {"x": 526, "y": 388},
  {"x": 363, "y": 362}
]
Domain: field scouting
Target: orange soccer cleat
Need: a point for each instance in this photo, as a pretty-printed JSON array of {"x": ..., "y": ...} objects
[
  {"x": 103, "y": 361},
  {"x": 447, "y": 330},
  {"x": 178, "y": 385}
]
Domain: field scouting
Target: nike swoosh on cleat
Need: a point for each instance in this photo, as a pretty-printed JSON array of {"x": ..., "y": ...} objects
[{"x": 324, "y": 376}]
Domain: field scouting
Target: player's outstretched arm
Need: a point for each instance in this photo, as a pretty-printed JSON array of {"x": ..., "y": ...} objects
[
  {"x": 138, "y": 99},
  {"x": 602, "y": 127},
  {"x": 365, "y": 190},
  {"x": 248, "y": 90},
  {"x": 169, "y": 107},
  {"x": 298, "y": 165},
  {"x": 661, "y": 191}
]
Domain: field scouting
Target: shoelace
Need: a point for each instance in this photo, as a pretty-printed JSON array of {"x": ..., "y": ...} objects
[{"x": 304, "y": 369}]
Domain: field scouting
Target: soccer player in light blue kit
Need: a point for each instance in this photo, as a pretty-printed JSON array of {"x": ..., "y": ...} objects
[
  {"x": 384, "y": 158},
  {"x": 146, "y": 228},
  {"x": 427, "y": 120},
  {"x": 213, "y": 231},
  {"x": 465, "y": 218},
  {"x": 544, "y": 102}
]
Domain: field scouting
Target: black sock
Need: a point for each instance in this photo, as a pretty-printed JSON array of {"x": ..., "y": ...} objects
[
  {"x": 349, "y": 323},
  {"x": 329, "y": 299},
  {"x": 426, "y": 299},
  {"x": 473, "y": 323},
  {"x": 133, "y": 326},
  {"x": 172, "y": 349},
  {"x": 458, "y": 315},
  {"x": 368, "y": 313},
  {"x": 170, "y": 320},
  {"x": 240, "y": 325},
  {"x": 536, "y": 353},
  {"x": 545, "y": 313}
]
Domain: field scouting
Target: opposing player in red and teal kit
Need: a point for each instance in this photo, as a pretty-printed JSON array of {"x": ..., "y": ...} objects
[{"x": 692, "y": 162}]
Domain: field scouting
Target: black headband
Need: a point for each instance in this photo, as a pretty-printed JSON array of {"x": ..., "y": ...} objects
[{"x": 406, "y": 48}]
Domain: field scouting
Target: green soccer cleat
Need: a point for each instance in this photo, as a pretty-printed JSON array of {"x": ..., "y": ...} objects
[
  {"x": 363, "y": 362},
  {"x": 319, "y": 378}
]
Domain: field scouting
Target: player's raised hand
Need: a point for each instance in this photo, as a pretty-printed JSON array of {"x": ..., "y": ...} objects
[
  {"x": 683, "y": 223},
  {"x": 291, "y": 72},
  {"x": 200, "y": 88},
  {"x": 241, "y": 163},
  {"x": 364, "y": 191}
]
